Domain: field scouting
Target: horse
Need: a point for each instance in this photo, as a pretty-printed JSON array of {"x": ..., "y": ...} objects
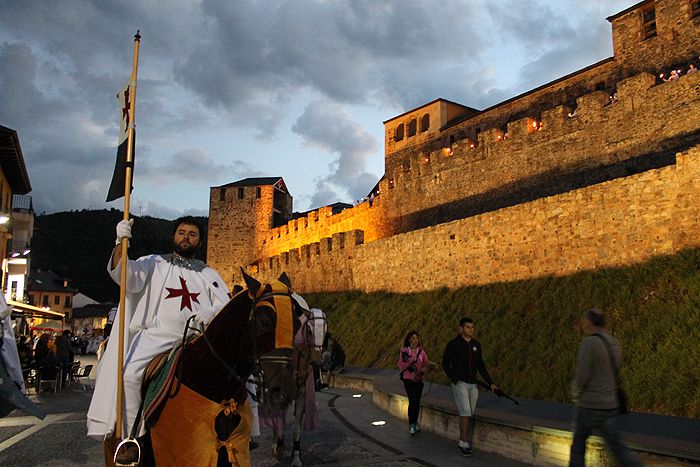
[
  {"x": 307, "y": 354},
  {"x": 202, "y": 416}
]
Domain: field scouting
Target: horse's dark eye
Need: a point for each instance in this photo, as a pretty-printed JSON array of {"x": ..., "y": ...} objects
[{"x": 265, "y": 321}]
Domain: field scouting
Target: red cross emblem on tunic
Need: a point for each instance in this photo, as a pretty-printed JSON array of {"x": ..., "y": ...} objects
[{"x": 187, "y": 296}]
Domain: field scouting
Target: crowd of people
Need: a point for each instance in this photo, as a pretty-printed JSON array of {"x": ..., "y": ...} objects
[
  {"x": 677, "y": 72},
  {"x": 46, "y": 356}
]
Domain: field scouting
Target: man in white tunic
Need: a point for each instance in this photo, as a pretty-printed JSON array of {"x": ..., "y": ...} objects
[{"x": 162, "y": 292}]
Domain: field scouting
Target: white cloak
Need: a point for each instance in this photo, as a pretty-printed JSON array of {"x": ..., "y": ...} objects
[
  {"x": 10, "y": 356},
  {"x": 161, "y": 295}
]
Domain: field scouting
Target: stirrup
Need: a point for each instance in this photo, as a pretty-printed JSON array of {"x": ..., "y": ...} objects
[{"x": 130, "y": 464}]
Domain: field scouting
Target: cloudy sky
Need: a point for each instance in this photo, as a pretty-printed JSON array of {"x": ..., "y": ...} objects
[{"x": 246, "y": 88}]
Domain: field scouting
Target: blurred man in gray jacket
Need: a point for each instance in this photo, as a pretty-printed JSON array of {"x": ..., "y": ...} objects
[{"x": 594, "y": 391}]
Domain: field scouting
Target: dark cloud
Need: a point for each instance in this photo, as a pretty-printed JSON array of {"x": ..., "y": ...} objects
[
  {"x": 193, "y": 165},
  {"x": 329, "y": 126},
  {"x": 254, "y": 59}
]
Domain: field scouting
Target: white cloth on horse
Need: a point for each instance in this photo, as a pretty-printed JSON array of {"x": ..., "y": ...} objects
[
  {"x": 162, "y": 292},
  {"x": 252, "y": 389},
  {"x": 10, "y": 356},
  {"x": 319, "y": 326}
]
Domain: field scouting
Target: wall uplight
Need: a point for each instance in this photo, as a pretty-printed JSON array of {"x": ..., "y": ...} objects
[
  {"x": 356, "y": 396},
  {"x": 379, "y": 423}
]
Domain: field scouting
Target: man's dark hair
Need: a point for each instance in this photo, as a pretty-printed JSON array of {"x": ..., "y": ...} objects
[
  {"x": 595, "y": 316},
  {"x": 189, "y": 220},
  {"x": 465, "y": 320}
]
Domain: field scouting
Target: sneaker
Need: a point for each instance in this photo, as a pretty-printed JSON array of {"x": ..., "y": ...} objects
[
  {"x": 412, "y": 428},
  {"x": 466, "y": 451},
  {"x": 417, "y": 429}
]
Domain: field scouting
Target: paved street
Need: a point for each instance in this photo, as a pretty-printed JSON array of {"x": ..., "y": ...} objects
[{"x": 347, "y": 436}]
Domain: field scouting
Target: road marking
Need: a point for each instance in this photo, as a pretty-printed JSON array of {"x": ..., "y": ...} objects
[
  {"x": 49, "y": 420},
  {"x": 19, "y": 421}
]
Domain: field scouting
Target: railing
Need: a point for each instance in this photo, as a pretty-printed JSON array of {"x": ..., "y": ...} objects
[{"x": 22, "y": 203}]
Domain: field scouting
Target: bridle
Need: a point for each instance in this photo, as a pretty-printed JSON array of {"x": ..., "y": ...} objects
[
  {"x": 257, "y": 371},
  {"x": 279, "y": 362}
]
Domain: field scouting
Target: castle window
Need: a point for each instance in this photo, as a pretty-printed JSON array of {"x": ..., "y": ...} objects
[
  {"x": 648, "y": 22},
  {"x": 407, "y": 166},
  {"x": 222, "y": 194},
  {"x": 57, "y": 300},
  {"x": 258, "y": 192},
  {"x": 67, "y": 303},
  {"x": 425, "y": 158},
  {"x": 694, "y": 8},
  {"x": 412, "y": 127},
  {"x": 391, "y": 183},
  {"x": 398, "y": 135},
  {"x": 240, "y": 192},
  {"x": 425, "y": 122}
]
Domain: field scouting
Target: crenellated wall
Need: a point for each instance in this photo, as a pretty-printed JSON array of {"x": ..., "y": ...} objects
[
  {"x": 614, "y": 223},
  {"x": 645, "y": 121}
]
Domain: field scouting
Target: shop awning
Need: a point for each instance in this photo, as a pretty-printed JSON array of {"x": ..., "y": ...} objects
[{"x": 31, "y": 311}]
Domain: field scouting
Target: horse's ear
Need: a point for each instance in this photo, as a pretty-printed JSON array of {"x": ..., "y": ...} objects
[
  {"x": 284, "y": 278},
  {"x": 252, "y": 284}
]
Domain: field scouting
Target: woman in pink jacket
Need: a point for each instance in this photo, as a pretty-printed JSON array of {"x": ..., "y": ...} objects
[{"x": 413, "y": 362}]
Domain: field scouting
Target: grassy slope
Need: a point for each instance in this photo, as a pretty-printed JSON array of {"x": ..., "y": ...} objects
[{"x": 529, "y": 329}]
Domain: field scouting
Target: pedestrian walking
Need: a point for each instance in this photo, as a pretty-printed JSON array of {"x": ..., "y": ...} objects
[
  {"x": 414, "y": 363},
  {"x": 461, "y": 361},
  {"x": 595, "y": 391}
]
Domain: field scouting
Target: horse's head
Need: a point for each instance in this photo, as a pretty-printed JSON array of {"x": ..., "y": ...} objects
[
  {"x": 273, "y": 324},
  {"x": 314, "y": 329}
]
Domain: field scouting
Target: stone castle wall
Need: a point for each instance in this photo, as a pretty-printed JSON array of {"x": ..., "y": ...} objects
[
  {"x": 615, "y": 223},
  {"x": 645, "y": 120}
]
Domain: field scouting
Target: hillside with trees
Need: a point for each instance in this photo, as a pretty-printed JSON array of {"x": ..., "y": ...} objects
[{"x": 77, "y": 245}]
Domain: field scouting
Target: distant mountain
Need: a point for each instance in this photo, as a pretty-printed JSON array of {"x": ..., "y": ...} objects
[{"x": 77, "y": 245}]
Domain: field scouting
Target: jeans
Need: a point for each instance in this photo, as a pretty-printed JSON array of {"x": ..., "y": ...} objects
[
  {"x": 414, "y": 391},
  {"x": 603, "y": 421}
]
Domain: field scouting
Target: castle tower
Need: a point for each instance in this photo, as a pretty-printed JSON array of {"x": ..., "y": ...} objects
[{"x": 240, "y": 213}]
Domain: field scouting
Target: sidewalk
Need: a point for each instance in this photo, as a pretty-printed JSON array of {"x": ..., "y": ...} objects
[{"x": 658, "y": 439}]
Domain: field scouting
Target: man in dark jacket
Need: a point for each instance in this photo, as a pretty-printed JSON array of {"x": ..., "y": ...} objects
[
  {"x": 594, "y": 391},
  {"x": 461, "y": 361}
]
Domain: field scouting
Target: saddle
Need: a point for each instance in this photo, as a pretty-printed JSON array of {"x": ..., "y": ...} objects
[{"x": 157, "y": 383}]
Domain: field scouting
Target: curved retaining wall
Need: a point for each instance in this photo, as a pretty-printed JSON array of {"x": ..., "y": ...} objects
[{"x": 540, "y": 439}]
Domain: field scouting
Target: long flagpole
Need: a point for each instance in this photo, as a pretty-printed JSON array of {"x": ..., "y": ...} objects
[{"x": 125, "y": 243}]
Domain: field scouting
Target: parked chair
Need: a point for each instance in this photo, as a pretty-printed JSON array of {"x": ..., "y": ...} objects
[
  {"x": 83, "y": 376},
  {"x": 49, "y": 376},
  {"x": 73, "y": 373}
]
